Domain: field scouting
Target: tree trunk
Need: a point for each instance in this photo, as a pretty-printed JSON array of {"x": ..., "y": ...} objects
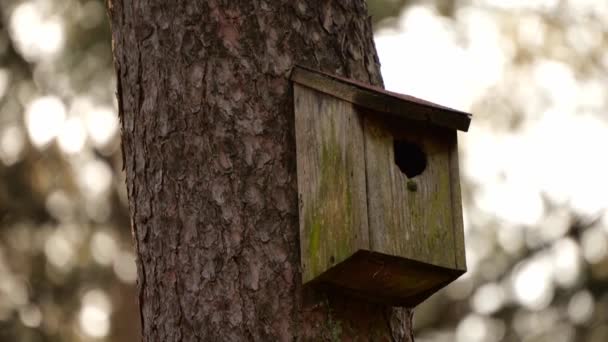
[{"x": 209, "y": 155}]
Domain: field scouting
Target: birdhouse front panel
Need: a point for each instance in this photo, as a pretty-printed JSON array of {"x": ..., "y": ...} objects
[
  {"x": 410, "y": 190},
  {"x": 331, "y": 181}
]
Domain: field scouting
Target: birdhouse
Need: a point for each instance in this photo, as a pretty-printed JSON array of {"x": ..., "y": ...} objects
[{"x": 379, "y": 192}]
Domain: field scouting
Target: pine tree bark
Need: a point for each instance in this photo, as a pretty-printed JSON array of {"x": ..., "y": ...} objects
[{"x": 209, "y": 155}]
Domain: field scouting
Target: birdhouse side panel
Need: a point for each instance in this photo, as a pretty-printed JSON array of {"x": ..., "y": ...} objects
[
  {"x": 331, "y": 181},
  {"x": 409, "y": 216},
  {"x": 457, "y": 217}
]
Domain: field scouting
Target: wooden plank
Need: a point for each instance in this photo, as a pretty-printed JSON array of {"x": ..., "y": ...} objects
[
  {"x": 382, "y": 101},
  {"x": 388, "y": 279},
  {"x": 459, "y": 246},
  {"x": 413, "y": 224},
  {"x": 331, "y": 181}
]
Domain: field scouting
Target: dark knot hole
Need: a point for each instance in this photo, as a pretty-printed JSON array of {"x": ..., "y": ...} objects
[{"x": 409, "y": 157}]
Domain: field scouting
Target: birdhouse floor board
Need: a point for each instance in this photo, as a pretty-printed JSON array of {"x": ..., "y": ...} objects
[{"x": 387, "y": 279}]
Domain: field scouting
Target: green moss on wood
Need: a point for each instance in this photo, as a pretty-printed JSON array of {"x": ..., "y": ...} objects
[
  {"x": 330, "y": 221},
  {"x": 336, "y": 331}
]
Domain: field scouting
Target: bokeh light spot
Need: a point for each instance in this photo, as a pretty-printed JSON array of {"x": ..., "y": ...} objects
[
  {"x": 94, "y": 317},
  {"x": 12, "y": 142},
  {"x": 488, "y": 298},
  {"x": 102, "y": 125},
  {"x": 73, "y": 136},
  {"x": 95, "y": 178},
  {"x": 30, "y": 316},
  {"x": 4, "y": 80},
  {"x": 36, "y": 34},
  {"x": 60, "y": 206},
  {"x": 103, "y": 247},
  {"x": 59, "y": 251},
  {"x": 44, "y": 118},
  {"x": 594, "y": 245},
  {"x": 532, "y": 283},
  {"x": 580, "y": 307},
  {"x": 566, "y": 262},
  {"x": 125, "y": 267}
]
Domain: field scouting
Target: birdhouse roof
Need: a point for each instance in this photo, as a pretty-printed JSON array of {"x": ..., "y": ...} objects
[{"x": 380, "y": 100}]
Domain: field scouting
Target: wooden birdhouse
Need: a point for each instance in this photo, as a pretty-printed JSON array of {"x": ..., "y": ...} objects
[{"x": 379, "y": 192}]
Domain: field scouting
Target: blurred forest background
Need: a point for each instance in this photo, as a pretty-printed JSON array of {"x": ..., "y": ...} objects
[{"x": 534, "y": 167}]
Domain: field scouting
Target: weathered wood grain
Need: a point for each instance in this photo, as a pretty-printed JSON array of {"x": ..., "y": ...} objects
[
  {"x": 381, "y": 101},
  {"x": 388, "y": 279},
  {"x": 415, "y": 224},
  {"x": 365, "y": 226},
  {"x": 459, "y": 250},
  {"x": 331, "y": 181}
]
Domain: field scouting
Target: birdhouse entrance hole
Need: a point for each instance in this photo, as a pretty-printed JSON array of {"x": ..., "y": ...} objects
[{"x": 409, "y": 157}]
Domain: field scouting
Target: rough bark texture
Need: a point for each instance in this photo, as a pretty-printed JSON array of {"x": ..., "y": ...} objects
[{"x": 208, "y": 142}]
